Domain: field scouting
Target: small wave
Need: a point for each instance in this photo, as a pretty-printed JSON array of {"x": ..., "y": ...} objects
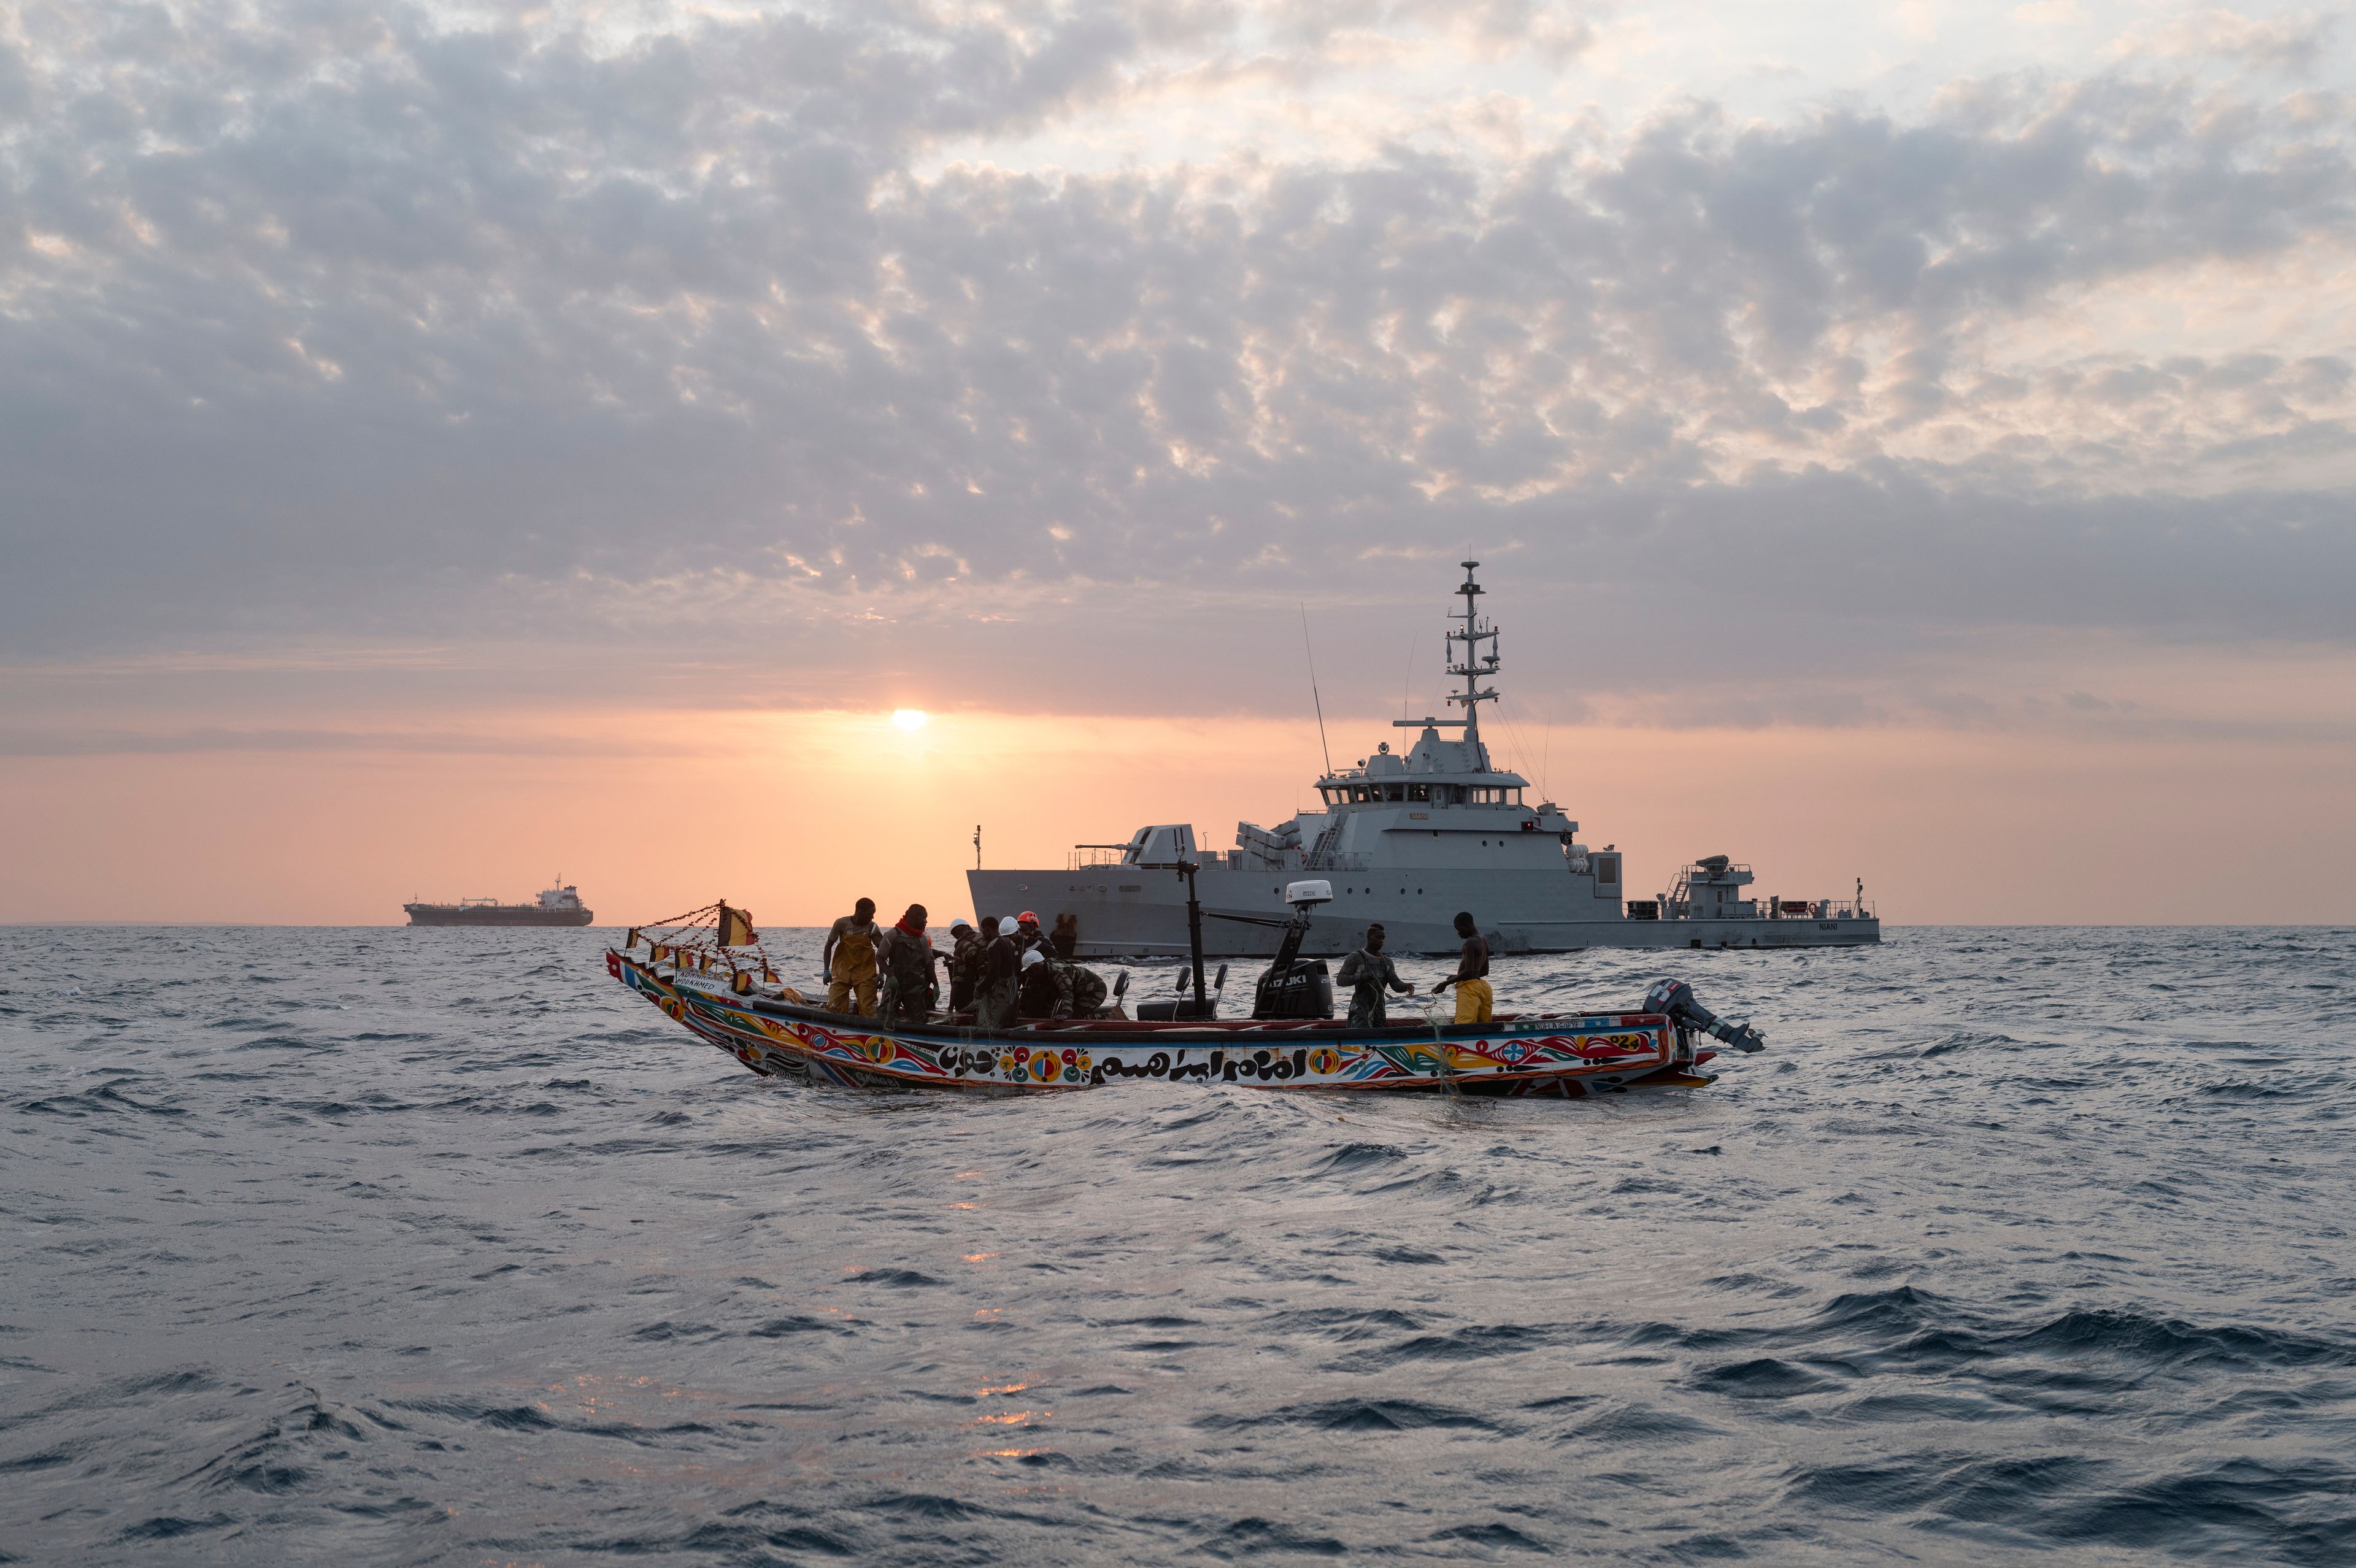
[
  {"x": 896, "y": 1278},
  {"x": 1495, "y": 1536},
  {"x": 2268, "y": 1089},
  {"x": 745, "y": 1542},
  {"x": 1339, "y": 1323},
  {"x": 779, "y": 1328},
  {"x": 1355, "y": 1415},
  {"x": 498, "y": 1417},
  {"x": 667, "y": 1330},
  {"x": 1476, "y": 1342},
  {"x": 1948, "y": 1044},
  {"x": 1353, "y": 1157},
  {"x": 1636, "y": 1424},
  {"x": 101, "y": 1101},
  {"x": 2171, "y": 1342},
  {"x": 48, "y": 1458},
  {"x": 1765, "y": 1378},
  {"x": 171, "y": 1527},
  {"x": 1256, "y": 1537}
]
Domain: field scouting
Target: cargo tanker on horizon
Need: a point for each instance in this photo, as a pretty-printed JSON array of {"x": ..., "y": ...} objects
[{"x": 559, "y": 905}]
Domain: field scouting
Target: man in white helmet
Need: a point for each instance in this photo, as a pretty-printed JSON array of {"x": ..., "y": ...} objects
[{"x": 1046, "y": 991}]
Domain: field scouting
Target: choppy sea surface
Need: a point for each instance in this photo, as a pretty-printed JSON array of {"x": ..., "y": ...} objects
[{"x": 396, "y": 1246}]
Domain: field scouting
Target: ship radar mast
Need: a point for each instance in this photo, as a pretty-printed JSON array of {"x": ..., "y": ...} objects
[{"x": 1473, "y": 664}]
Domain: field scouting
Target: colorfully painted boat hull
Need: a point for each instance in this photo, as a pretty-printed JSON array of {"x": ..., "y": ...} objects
[{"x": 1560, "y": 1054}]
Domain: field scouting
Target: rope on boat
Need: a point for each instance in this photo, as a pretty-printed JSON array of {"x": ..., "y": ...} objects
[
  {"x": 1440, "y": 1049},
  {"x": 695, "y": 930}
]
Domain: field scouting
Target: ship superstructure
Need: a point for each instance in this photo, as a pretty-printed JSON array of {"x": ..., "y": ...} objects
[
  {"x": 1407, "y": 840},
  {"x": 558, "y": 905}
]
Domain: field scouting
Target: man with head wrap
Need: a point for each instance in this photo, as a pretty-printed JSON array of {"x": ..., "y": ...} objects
[{"x": 906, "y": 957}]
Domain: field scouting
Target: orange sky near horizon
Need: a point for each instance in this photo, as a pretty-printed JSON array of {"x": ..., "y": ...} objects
[{"x": 795, "y": 815}]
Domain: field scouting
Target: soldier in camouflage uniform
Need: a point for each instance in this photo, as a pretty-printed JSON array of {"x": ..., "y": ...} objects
[
  {"x": 1088, "y": 992},
  {"x": 1046, "y": 988},
  {"x": 964, "y": 965},
  {"x": 994, "y": 996}
]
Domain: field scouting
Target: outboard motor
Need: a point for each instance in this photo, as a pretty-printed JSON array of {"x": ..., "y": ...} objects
[
  {"x": 1294, "y": 987},
  {"x": 1676, "y": 999}
]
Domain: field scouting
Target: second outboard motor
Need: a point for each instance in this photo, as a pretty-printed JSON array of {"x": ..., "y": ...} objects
[
  {"x": 1294, "y": 987},
  {"x": 1676, "y": 999}
]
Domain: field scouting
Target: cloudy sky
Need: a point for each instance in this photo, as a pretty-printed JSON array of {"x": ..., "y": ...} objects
[{"x": 442, "y": 444}]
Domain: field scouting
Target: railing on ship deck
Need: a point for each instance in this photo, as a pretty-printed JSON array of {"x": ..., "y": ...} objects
[{"x": 1762, "y": 909}]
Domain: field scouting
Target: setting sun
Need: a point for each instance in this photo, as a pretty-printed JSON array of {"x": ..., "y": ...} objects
[{"x": 910, "y": 717}]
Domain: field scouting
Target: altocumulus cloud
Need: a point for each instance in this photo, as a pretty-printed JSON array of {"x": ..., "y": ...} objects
[{"x": 375, "y": 320}]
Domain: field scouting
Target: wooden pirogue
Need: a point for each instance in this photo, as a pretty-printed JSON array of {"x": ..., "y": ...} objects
[{"x": 732, "y": 997}]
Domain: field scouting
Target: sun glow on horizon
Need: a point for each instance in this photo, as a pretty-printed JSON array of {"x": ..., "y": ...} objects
[{"x": 911, "y": 717}]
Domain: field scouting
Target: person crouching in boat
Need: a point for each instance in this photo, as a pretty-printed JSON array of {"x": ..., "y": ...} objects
[
  {"x": 994, "y": 996},
  {"x": 1046, "y": 988},
  {"x": 1474, "y": 1003},
  {"x": 964, "y": 964},
  {"x": 1052, "y": 988},
  {"x": 1370, "y": 969},
  {"x": 906, "y": 956},
  {"x": 848, "y": 965}
]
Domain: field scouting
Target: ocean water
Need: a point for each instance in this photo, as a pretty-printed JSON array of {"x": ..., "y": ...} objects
[{"x": 393, "y": 1246}]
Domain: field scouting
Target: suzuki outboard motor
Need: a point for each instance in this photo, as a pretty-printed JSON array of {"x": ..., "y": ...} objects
[
  {"x": 1676, "y": 999},
  {"x": 1294, "y": 987}
]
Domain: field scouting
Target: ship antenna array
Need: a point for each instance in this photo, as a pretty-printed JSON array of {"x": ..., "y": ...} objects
[
  {"x": 1474, "y": 666},
  {"x": 1313, "y": 697}
]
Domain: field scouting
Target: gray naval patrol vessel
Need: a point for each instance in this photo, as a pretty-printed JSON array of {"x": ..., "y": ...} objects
[{"x": 1408, "y": 841}]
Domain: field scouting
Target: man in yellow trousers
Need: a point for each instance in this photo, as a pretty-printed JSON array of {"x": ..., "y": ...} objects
[
  {"x": 848, "y": 961},
  {"x": 1474, "y": 1005}
]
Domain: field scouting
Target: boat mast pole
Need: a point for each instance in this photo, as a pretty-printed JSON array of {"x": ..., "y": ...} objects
[{"x": 1188, "y": 869}]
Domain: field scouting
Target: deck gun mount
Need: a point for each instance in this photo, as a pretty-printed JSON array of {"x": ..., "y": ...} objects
[
  {"x": 1294, "y": 987},
  {"x": 1676, "y": 999}
]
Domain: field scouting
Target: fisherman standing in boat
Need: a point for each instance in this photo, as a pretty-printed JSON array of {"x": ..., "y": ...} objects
[
  {"x": 1027, "y": 934},
  {"x": 1370, "y": 969},
  {"x": 964, "y": 964},
  {"x": 848, "y": 964},
  {"x": 906, "y": 956},
  {"x": 1474, "y": 1003},
  {"x": 993, "y": 1000}
]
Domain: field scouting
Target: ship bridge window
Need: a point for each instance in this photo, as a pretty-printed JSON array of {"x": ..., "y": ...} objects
[
  {"x": 1358, "y": 793},
  {"x": 1395, "y": 791},
  {"x": 1418, "y": 792}
]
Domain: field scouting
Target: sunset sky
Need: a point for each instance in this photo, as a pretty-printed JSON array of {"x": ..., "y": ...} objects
[{"x": 441, "y": 446}]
